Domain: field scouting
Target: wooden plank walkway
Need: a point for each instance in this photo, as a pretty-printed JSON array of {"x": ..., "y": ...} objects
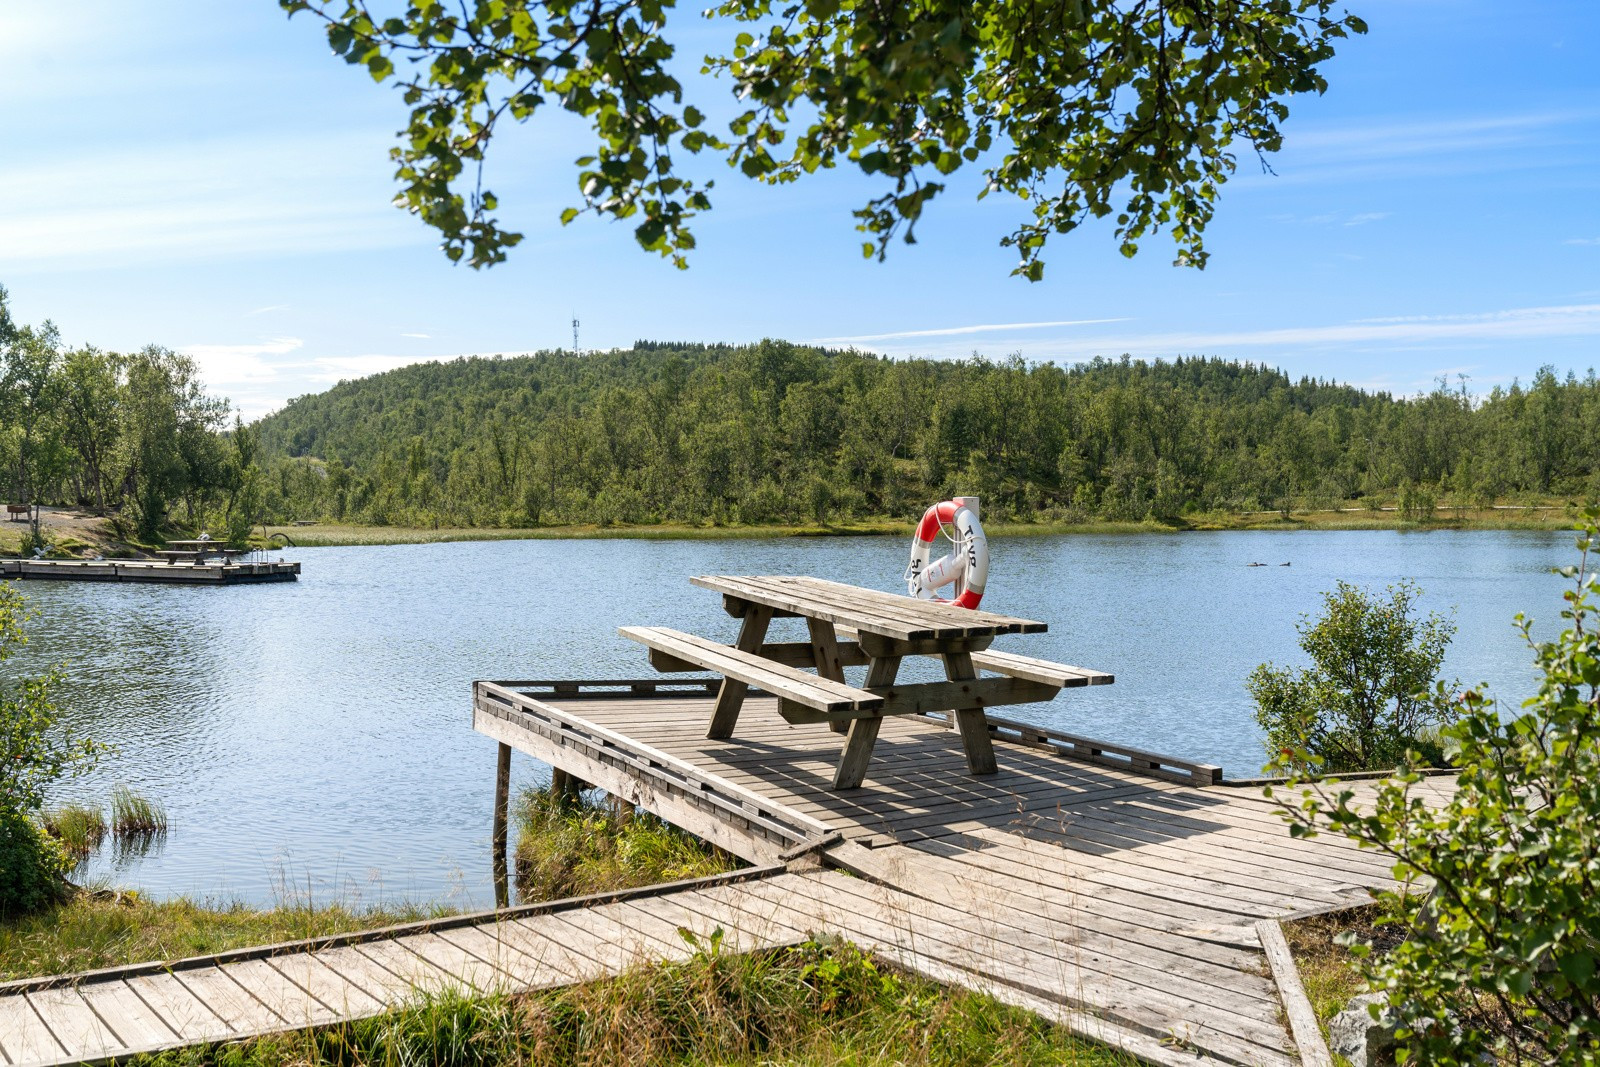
[
  {"x": 1122, "y": 899},
  {"x": 1113, "y": 901}
]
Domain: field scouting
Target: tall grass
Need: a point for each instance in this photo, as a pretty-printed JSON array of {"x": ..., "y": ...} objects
[
  {"x": 821, "y": 1004},
  {"x": 566, "y": 848},
  {"x": 102, "y": 929},
  {"x": 135, "y": 816},
  {"x": 79, "y": 828}
]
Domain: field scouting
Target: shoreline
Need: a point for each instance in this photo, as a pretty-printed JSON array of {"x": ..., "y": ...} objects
[
  {"x": 83, "y": 541},
  {"x": 1502, "y": 517}
]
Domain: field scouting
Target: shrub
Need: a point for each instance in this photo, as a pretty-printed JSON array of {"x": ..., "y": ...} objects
[
  {"x": 34, "y": 752},
  {"x": 1501, "y": 961},
  {"x": 33, "y": 865},
  {"x": 1372, "y": 690}
]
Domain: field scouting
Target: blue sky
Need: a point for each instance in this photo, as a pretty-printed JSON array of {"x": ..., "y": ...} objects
[{"x": 208, "y": 177}]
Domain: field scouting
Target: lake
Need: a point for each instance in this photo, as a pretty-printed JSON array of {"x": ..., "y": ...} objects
[{"x": 313, "y": 741}]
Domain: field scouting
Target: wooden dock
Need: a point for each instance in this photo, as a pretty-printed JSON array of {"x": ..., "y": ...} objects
[
  {"x": 138, "y": 570},
  {"x": 1115, "y": 892}
]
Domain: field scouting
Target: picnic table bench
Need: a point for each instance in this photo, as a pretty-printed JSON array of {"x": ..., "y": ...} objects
[
  {"x": 851, "y": 626},
  {"x": 196, "y": 550}
]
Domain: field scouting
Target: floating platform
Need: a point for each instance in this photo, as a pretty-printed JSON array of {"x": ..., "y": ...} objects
[{"x": 139, "y": 570}]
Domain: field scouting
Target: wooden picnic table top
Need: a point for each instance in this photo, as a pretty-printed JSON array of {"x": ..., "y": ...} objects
[{"x": 868, "y": 610}]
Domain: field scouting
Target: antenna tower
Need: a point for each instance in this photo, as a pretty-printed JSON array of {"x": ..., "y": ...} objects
[{"x": 574, "y": 335}]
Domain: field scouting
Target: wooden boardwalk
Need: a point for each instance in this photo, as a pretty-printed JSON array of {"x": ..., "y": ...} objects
[
  {"x": 1101, "y": 886},
  {"x": 1118, "y": 901}
]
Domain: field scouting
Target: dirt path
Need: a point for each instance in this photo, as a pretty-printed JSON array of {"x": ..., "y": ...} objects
[{"x": 81, "y": 532}]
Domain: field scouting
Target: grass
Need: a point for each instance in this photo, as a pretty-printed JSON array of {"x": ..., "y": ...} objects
[
  {"x": 820, "y": 1004},
  {"x": 1330, "y": 972},
  {"x": 103, "y": 929},
  {"x": 135, "y": 816},
  {"x": 79, "y": 828},
  {"x": 567, "y": 849},
  {"x": 1534, "y": 517},
  {"x": 823, "y": 1003}
]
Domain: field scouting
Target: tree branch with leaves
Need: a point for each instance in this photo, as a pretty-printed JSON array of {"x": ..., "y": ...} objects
[{"x": 1080, "y": 109}]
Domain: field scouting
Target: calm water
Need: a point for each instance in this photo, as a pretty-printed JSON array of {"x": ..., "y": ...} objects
[{"x": 314, "y": 738}]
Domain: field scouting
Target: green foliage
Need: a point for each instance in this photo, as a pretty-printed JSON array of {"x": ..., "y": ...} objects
[
  {"x": 776, "y": 433},
  {"x": 34, "y": 752},
  {"x": 79, "y": 828},
  {"x": 1501, "y": 961},
  {"x": 133, "y": 815},
  {"x": 567, "y": 848},
  {"x": 94, "y": 930},
  {"x": 1078, "y": 109},
  {"x": 33, "y": 865},
  {"x": 132, "y": 435},
  {"x": 1372, "y": 691}
]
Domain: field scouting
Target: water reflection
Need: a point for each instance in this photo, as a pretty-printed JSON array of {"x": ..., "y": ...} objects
[{"x": 312, "y": 740}]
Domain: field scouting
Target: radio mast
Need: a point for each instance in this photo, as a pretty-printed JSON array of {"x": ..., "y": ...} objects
[{"x": 574, "y": 334}]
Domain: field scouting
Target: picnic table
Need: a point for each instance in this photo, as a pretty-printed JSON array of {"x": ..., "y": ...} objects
[
  {"x": 851, "y": 626},
  {"x": 196, "y": 550}
]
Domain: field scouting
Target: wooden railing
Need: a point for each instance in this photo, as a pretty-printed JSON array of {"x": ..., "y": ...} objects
[{"x": 706, "y": 805}]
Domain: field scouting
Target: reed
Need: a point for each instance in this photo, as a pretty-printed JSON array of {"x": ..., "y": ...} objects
[
  {"x": 569, "y": 848},
  {"x": 134, "y": 816},
  {"x": 79, "y": 828}
]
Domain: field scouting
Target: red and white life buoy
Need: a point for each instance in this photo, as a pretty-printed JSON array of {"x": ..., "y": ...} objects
[{"x": 966, "y": 566}]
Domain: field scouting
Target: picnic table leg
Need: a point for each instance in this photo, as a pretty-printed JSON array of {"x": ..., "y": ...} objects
[
  {"x": 825, "y": 654},
  {"x": 730, "y": 698},
  {"x": 863, "y": 733},
  {"x": 972, "y": 723}
]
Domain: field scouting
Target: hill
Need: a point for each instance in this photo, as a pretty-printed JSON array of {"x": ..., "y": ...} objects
[{"x": 776, "y": 432}]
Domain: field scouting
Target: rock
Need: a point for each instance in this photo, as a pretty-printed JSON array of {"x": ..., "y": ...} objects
[{"x": 1357, "y": 1036}]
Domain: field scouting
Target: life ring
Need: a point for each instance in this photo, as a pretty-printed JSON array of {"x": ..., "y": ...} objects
[{"x": 967, "y": 566}]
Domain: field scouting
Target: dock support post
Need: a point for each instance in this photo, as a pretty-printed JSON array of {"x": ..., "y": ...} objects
[
  {"x": 502, "y": 800},
  {"x": 568, "y": 788}
]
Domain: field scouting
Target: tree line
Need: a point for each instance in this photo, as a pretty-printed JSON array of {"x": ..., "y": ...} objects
[
  {"x": 132, "y": 436},
  {"x": 776, "y": 432},
  {"x": 766, "y": 433}
]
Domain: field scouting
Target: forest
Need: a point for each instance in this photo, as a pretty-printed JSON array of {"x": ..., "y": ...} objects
[
  {"x": 781, "y": 433},
  {"x": 769, "y": 433},
  {"x": 135, "y": 437}
]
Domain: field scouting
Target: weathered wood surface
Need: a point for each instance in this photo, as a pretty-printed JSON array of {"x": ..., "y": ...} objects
[
  {"x": 1110, "y": 900},
  {"x": 866, "y": 610},
  {"x": 1090, "y": 882},
  {"x": 120, "y": 1012},
  {"x": 231, "y": 573}
]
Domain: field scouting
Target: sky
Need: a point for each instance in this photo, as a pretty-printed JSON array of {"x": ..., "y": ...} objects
[{"x": 209, "y": 177}]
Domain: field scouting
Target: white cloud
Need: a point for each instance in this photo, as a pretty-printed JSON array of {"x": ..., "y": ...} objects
[
  {"x": 951, "y": 331},
  {"x": 265, "y": 310},
  {"x": 326, "y": 370},
  {"x": 419, "y": 336},
  {"x": 227, "y": 197},
  {"x": 1583, "y": 241},
  {"x": 1365, "y": 217},
  {"x": 1388, "y": 334},
  {"x": 240, "y": 369}
]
